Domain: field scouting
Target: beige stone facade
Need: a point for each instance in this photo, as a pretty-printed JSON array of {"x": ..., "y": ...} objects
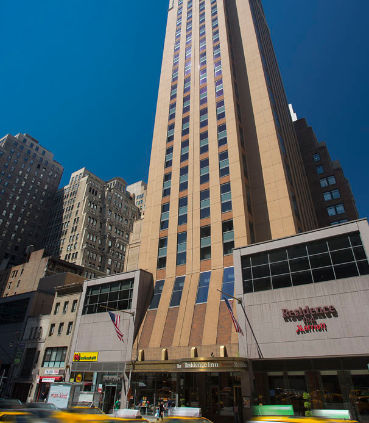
[
  {"x": 91, "y": 222},
  {"x": 58, "y": 338},
  {"x": 40, "y": 272},
  {"x": 221, "y": 112},
  {"x": 139, "y": 189}
]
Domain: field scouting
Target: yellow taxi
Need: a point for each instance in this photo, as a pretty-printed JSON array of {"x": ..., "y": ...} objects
[
  {"x": 90, "y": 415},
  {"x": 185, "y": 415},
  {"x": 15, "y": 416}
]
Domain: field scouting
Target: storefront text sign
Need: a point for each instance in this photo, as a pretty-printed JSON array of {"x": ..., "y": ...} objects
[
  {"x": 309, "y": 316},
  {"x": 197, "y": 365},
  {"x": 85, "y": 356},
  {"x": 51, "y": 371}
]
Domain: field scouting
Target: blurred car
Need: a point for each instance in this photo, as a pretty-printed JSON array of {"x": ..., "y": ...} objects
[
  {"x": 9, "y": 404},
  {"x": 18, "y": 417},
  {"x": 84, "y": 410},
  {"x": 41, "y": 405},
  {"x": 296, "y": 419}
]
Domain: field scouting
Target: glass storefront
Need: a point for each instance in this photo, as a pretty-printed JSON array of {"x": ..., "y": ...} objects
[
  {"x": 101, "y": 389},
  {"x": 307, "y": 385},
  {"x": 217, "y": 394}
]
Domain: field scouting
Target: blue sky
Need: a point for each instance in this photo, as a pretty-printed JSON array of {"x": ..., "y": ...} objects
[{"x": 82, "y": 78}]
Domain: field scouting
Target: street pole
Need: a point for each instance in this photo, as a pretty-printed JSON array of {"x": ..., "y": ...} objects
[
  {"x": 125, "y": 386},
  {"x": 1, "y": 380}
]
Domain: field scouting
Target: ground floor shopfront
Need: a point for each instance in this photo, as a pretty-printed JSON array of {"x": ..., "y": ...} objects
[
  {"x": 330, "y": 382},
  {"x": 101, "y": 388},
  {"x": 217, "y": 386}
]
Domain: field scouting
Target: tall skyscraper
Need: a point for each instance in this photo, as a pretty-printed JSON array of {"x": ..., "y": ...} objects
[
  {"x": 90, "y": 223},
  {"x": 225, "y": 172},
  {"x": 29, "y": 178}
]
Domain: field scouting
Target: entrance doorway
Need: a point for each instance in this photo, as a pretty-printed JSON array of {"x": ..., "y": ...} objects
[{"x": 109, "y": 398}]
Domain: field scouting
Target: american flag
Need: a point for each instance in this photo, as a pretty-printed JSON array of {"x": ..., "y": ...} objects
[
  {"x": 116, "y": 321},
  {"x": 233, "y": 317}
]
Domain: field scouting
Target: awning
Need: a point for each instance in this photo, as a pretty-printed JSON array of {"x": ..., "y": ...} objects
[{"x": 50, "y": 379}]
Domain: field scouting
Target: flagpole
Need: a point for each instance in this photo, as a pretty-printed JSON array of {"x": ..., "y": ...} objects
[
  {"x": 240, "y": 302},
  {"x": 125, "y": 388}
]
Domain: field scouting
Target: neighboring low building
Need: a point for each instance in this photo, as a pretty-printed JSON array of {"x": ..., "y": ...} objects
[
  {"x": 331, "y": 192},
  {"x": 98, "y": 357},
  {"x": 29, "y": 178},
  {"x": 139, "y": 190},
  {"x": 90, "y": 223},
  {"x": 52, "y": 364},
  {"x": 40, "y": 272},
  {"x": 31, "y": 348},
  {"x": 14, "y": 313},
  {"x": 306, "y": 297}
]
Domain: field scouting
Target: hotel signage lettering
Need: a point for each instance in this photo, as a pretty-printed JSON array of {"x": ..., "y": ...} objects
[
  {"x": 309, "y": 316},
  {"x": 197, "y": 365}
]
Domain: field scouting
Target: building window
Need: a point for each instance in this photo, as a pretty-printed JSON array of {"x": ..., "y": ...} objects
[
  {"x": 69, "y": 328},
  {"x": 204, "y": 142},
  {"x": 113, "y": 295},
  {"x": 172, "y": 111},
  {"x": 226, "y": 197},
  {"x": 183, "y": 178},
  {"x": 220, "y": 110},
  {"x": 316, "y": 157},
  {"x": 74, "y": 306},
  {"x": 331, "y": 195},
  {"x": 162, "y": 252},
  {"x": 177, "y": 291},
  {"x": 54, "y": 357},
  {"x": 317, "y": 261},
  {"x": 204, "y": 171},
  {"x": 204, "y": 204},
  {"x": 60, "y": 328},
  {"x": 203, "y": 117},
  {"x": 185, "y": 126},
  {"x": 228, "y": 237},
  {"x": 184, "y": 150},
  {"x": 186, "y": 104},
  {"x": 222, "y": 135},
  {"x": 56, "y": 309},
  {"x": 170, "y": 133},
  {"x": 65, "y": 307},
  {"x": 182, "y": 211},
  {"x": 158, "y": 289},
  {"x": 334, "y": 210},
  {"x": 203, "y": 287},
  {"x": 319, "y": 170},
  {"x": 228, "y": 282},
  {"x": 219, "y": 88},
  {"x": 223, "y": 163},
  {"x": 52, "y": 329},
  {"x": 168, "y": 157},
  {"x": 203, "y": 95},
  {"x": 181, "y": 248},
  {"x": 205, "y": 243},
  {"x": 164, "y": 219},
  {"x": 330, "y": 180},
  {"x": 167, "y": 184}
]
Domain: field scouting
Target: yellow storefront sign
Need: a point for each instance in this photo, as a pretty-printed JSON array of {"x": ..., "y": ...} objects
[{"x": 85, "y": 356}]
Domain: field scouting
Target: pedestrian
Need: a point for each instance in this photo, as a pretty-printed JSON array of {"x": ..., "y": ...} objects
[
  {"x": 157, "y": 413},
  {"x": 161, "y": 410}
]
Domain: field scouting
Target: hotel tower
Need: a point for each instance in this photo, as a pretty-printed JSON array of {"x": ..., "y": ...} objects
[{"x": 225, "y": 172}]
